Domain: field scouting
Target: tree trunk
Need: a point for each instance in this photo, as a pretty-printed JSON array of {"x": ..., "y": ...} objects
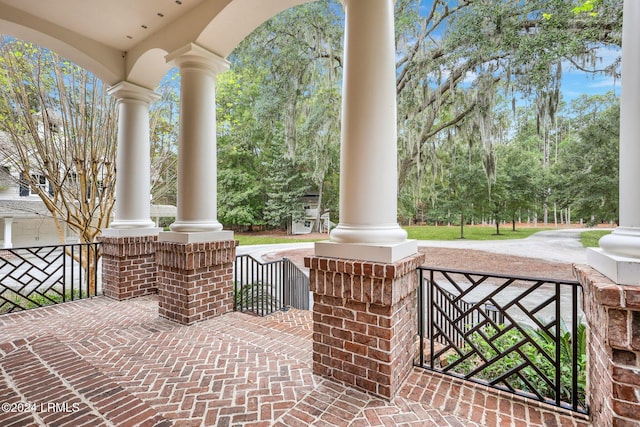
[{"x": 318, "y": 224}]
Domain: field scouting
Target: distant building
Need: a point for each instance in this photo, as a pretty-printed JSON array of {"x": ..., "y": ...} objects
[{"x": 307, "y": 224}]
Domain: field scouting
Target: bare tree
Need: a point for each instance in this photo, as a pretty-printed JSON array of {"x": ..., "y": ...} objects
[{"x": 61, "y": 125}]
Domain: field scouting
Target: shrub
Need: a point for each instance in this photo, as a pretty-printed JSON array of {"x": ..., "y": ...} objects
[{"x": 522, "y": 359}]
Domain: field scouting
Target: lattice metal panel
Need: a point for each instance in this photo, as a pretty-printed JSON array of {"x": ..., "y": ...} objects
[
  {"x": 38, "y": 276},
  {"x": 517, "y": 334}
]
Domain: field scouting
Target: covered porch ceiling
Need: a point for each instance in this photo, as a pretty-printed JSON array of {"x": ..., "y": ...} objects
[{"x": 128, "y": 40}]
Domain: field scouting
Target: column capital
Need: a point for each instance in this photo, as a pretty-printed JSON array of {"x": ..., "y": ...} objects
[
  {"x": 128, "y": 90},
  {"x": 194, "y": 55}
]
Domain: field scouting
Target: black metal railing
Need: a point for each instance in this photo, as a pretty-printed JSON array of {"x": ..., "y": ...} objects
[
  {"x": 263, "y": 288},
  {"x": 518, "y": 334},
  {"x": 37, "y": 276}
]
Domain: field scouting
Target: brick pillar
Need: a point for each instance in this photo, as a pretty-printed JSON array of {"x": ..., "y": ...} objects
[
  {"x": 364, "y": 321},
  {"x": 128, "y": 266},
  {"x": 613, "y": 317},
  {"x": 195, "y": 280}
]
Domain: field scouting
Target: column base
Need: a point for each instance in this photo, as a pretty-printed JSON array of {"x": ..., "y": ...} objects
[
  {"x": 364, "y": 321},
  {"x": 389, "y": 233},
  {"x": 621, "y": 270},
  {"x": 623, "y": 241},
  {"x": 195, "y": 280},
  {"x": 128, "y": 266},
  {"x": 131, "y": 232},
  {"x": 131, "y": 224},
  {"x": 195, "y": 226},
  {"x": 195, "y": 237},
  {"x": 374, "y": 252}
]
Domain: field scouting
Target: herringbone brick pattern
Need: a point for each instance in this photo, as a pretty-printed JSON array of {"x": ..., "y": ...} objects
[{"x": 127, "y": 366}]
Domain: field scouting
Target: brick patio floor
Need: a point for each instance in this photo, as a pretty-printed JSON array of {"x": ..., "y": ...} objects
[{"x": 102, "y": 362}]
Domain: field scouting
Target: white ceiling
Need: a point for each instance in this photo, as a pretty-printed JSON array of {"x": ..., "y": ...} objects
[
  {"x": 129, "y": 39},
  {"x": 119, "y": 24}
]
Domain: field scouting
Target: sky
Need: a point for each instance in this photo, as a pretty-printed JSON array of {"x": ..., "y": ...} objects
[{"x": 576, "y": 83}]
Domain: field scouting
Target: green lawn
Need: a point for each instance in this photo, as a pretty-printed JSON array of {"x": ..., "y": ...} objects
[
  {"x": 471, "y": 233},
  {"x": 415, "y": 232},
  {"x": 590, "y": 239},
  {"x": 247, "y": 239}
]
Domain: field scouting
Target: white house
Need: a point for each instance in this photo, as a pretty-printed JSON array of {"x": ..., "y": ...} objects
[{"x": 307, "y": 224}]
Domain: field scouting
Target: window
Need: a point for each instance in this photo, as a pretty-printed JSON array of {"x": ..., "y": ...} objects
[
  {"x": 37, "y": 180},
  {"x": 40, "y": 181}
]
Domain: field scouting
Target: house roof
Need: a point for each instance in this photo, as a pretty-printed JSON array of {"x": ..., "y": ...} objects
[
  {"x": 128, "y": 40},
  {"x": 24, "y": 207}
]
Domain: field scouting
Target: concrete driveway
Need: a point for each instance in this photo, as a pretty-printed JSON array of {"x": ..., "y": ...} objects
[{"x": 562, "y": 245}]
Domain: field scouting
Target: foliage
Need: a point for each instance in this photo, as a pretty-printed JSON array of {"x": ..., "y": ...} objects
[
  {"x": 535, "y": 355},
  {"x": 278, "y": 111},
  {"x": 36, "y": 300},
  {"x": 461, "y": 68},
  {"x": 587, "y": 170},
  {"x": 256, "y": 297},
  {"x": 164, "y": 116}
]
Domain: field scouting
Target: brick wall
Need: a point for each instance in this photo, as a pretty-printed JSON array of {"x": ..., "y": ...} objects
[
  {"x": 195, "y": 280},
  {"x": 613, "y": 316},
  {"x": 364, "y": 317},
  {"x": 128, "y": 266}
]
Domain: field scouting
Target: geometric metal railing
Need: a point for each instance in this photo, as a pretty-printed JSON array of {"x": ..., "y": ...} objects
[
  {"x": 518, "y": 334},
  {"x": 263, "y": 288},
  {"x": 38, "y": 276}
]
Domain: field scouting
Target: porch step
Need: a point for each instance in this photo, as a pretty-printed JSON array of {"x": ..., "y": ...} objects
[{"x": 44, "y": 382}]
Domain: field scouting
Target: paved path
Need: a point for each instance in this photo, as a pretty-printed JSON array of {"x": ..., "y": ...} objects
[
  {"x": 562, "y": 245},
  {"x": 551, "y": 245}
]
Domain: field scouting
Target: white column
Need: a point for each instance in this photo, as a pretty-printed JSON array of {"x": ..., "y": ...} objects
[
  {"x": 197, "y": 159},
  {"x": 7, "y": 233},
  {"x": 132, "y": 212},
  {"x": 368, "y": 156},
  {"x": 619, "y": 258}
]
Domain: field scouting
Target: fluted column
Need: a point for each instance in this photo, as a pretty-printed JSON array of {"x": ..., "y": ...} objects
[
  {"x": 368, "y": 156},
  {"x": 619, "y": 258},
  {"x": 197, "y": 169},
  {"x": 133, "y": 163}
]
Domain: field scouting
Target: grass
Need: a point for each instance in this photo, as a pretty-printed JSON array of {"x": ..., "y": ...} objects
[
  {"x": 470, "y": 232},
  {"x": 422, "y": 232},
  {"x": 35, "y": 300},
  {"x": 246, "y": 239},
  {"x": 590, "y": 239},
  {"x": 415, "y": 232}
]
